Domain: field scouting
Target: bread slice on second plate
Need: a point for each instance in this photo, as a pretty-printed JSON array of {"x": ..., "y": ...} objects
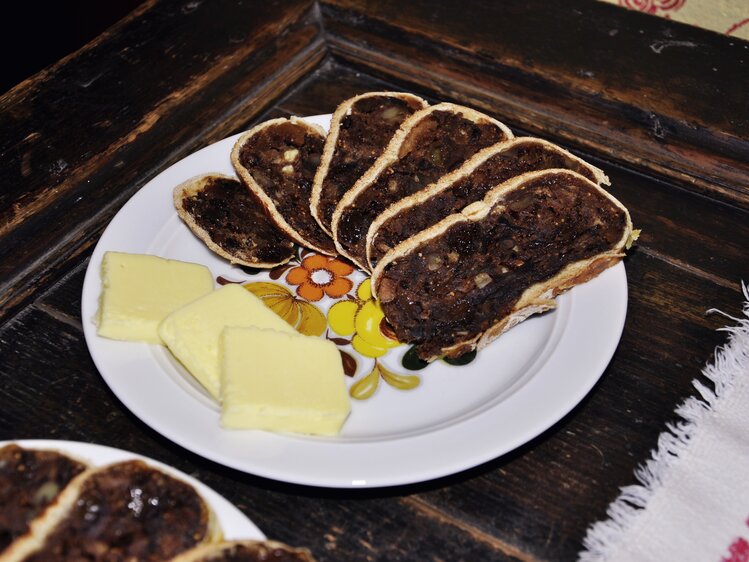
[
  {"x": 30, "y": 481},
  {"x": 126, "y": 511}
]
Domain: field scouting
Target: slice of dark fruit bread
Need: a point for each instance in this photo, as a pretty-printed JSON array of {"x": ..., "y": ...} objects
[
  {"x": 360, "y": 129},
  {"x": 30, "y": 480},
  {"x": 123, "y": 511},
  {"x": 464, "y": 281},
  {"x": 231, "y": 221},
  {"x": 277, "y": 160}
]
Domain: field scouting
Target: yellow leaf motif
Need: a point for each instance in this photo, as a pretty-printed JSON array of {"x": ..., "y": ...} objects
[
  {"x": 283, "y": 306},
  {"x": 342, "y": 316},
  {"x": 313, "y": 321},
  {"x": 365, "y": 387},
  {"x": 365, "y": 348},
  {"x": 264, "y": 289},
  {"x": 401, "y": 382},
  {"x": 301, "y": 315}
]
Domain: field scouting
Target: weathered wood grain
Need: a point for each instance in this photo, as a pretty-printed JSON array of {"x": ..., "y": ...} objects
[
  {"x": 83, "y": 136},
  {"x": 657, "y": 95},
  {"x": 694, "y": 233},
  {"x": 330, "y": 84}
]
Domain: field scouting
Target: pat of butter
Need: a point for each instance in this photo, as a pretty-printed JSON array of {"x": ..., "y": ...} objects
[
  {"x": 282, "y": 382},
  {"x": 139, "y": 291},
  {"x": 192, "y": 333}
]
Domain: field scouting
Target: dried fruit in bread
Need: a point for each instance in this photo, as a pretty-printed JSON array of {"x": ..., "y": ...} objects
[
  {"x": 277, "y": 161},
  {"x": 225, "y": 215},
  {"x": 360, "y": 129},
  {"x": 123, "y": 511},
  {"x": 469, "y": 183},
  {"x": 429, "y": 144},
  {"x": 462, "y": 282}
]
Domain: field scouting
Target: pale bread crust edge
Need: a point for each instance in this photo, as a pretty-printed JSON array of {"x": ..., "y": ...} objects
[
  {"x": 206, "y": 552},
  {"x": 60, "y": 452},
  {"x": 42, "y": 526},
  {"x": 466, "y": 169},
  {"x": 341, "y": 111},
  {"x": 539, "y": 296},
  {"x": 390, "y": 155},
  {"x": 266, "y": 201},
  {"x": 189, "y": 188}
]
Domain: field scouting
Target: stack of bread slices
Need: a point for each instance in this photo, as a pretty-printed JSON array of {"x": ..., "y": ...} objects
[{"x": 465, "y": 229}]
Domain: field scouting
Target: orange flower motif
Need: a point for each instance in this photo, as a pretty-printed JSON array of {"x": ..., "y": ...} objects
[{"x": 320, "y": 275}]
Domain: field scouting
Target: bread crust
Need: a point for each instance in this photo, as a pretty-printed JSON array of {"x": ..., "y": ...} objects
[
  {"x": 390, "y": 155},
  {"x": 195, "y": 185},
  {"x": 59, "y": 510},
  {"x": 343, "y": 109},
  {"x": 446, "y": 181},
  {"x": 207, "y": 552},
  {"x": 265, "y": 200},
  {"x": 539, "y": 296}
]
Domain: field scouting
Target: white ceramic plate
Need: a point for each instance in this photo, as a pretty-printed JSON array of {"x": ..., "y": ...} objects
[
  {"x": 457, "y": 418},
  {"x": 234, "y": 524}
]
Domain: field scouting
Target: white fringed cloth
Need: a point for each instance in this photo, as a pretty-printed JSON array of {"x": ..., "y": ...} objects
[{"x": 692, "y": 500}]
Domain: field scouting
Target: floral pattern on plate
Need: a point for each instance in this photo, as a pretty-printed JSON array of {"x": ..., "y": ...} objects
[{"x": 315, "y": 294}]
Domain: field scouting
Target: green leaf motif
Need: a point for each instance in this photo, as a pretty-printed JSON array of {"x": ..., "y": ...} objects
[
  {"x": 251, "y": 270},
  {"x": 464, "y": 359},
  {"x": 412, "y": 362}
]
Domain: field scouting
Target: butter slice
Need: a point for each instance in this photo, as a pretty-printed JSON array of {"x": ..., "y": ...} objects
[
  {"x": 139, "y": 291},
  {"x": 192, "y": 333},
  {"x": 282, "y": 382}
]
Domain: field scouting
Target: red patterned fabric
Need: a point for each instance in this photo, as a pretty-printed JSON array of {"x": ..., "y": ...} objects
[
  {"x": 736, "y": 26},
  {"x": 656, "y": 7},
  {"x": 739, "y": 550}
]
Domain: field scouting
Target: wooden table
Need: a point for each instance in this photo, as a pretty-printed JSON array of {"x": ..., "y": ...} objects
[{"x": 662, "y": 107}]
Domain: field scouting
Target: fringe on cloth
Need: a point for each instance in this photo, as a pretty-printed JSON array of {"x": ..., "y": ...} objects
[{"x": 731, "y": 361}]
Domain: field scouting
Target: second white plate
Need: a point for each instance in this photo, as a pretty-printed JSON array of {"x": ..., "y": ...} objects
[{"x": 234, "y": 524}]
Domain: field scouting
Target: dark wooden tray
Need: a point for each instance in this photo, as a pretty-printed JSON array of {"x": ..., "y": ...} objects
[{"x": 661, "y": 106}]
